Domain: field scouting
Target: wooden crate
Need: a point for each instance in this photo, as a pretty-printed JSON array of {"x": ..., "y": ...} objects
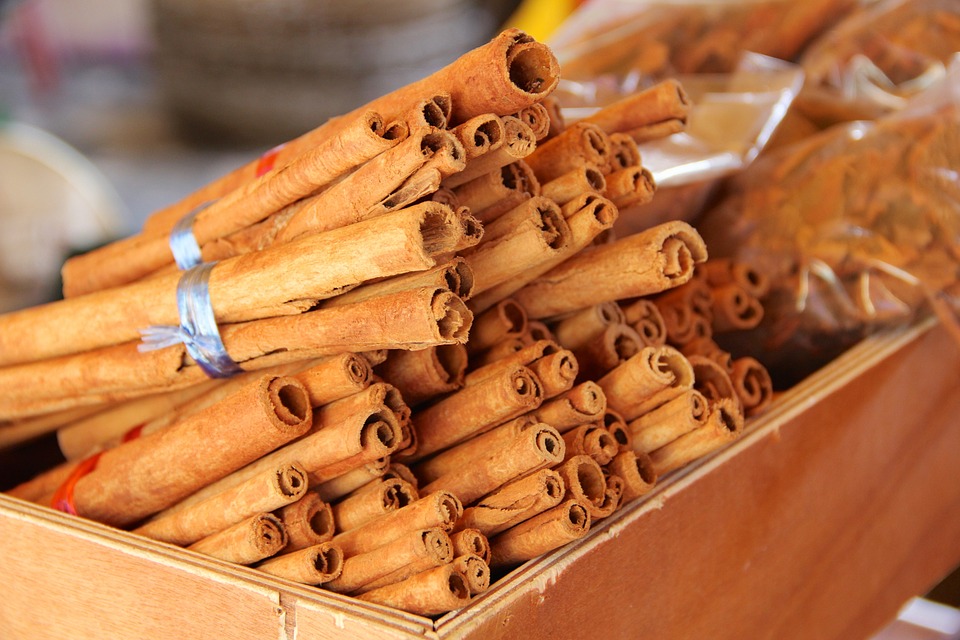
[{"x": 834, "y": 508}]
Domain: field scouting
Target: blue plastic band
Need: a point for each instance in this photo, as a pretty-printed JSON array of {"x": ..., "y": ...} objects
[
  {"x": 198, "y": 329},
  {"x": 183, "y": 244}
]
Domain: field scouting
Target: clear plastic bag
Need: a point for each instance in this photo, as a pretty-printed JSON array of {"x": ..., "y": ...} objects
[
  {"x": 875, "y": 59},
  {"x": 858, "y": 228}
]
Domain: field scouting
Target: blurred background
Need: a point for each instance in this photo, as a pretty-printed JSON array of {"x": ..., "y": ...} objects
[{"x": 111, "y": 109}]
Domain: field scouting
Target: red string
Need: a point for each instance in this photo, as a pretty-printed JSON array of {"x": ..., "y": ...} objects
[
  {"x": 134, "y": 433},
  {"x": 63, "y": 496},
  {"x": 267, "y": 160}
]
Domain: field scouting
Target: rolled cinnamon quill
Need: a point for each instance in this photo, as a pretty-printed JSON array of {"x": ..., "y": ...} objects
[
  {"x": 616, "y": 344},
  {"x": 519, "y": 141},
  {"x": 630, "y": 187},
  {"x": 644, "y": 316},
  {"x": 580, "y": 144},
  {"x": 427, "y": 593},
  {"x": 533, "y": 449},
  {"x": 724, "y": 424},
  {"x": 580, "y": 327},
  {"x": 334, "y": 378},
  {"x": 384, "y": 496},
  {"x": 641, "y": 264},
  {"x": 467, "y": 542},
  {"x": 585, "y": 482},
  {"x": 492, "y": 194},
  {"x": 712, "y": 380},
  {"x": 361, "y": 476},
  {"x": 514, "y": 502},
  {"x": 307, "y": 522},
  {"x": 475, "y": 570},
  {"x": 507, "y": 319},
  {"x": 583, "y": 403},
  {"x": 425, "y": 373},
  {"x": 480, "y": 134},
  {"x": 637, "y": 472},
  {"x": 567, "y": 186},
  {"x": 679, "y": 415},
  {"x": 267, "y": 491},
  {"x": 362, "y": 138},
  {"x": 476, "y": 408},
  {"x": 540, "y": 534},
  {"x": 734, "y": 309},
  {"x": 135, "y": 479},
  {"x": 246, "y": 542},
  {"x": 665, "y": 101},
  {"x": 494, "y": 360},
  {"x": 641, "y": 383},
  {"x": 556, "y": 372},
  {"x": 408, "y": 555},
  {"x": 440, "y": 509},
  {"x": 242, "y": 288},
  {"x": 314, "y": 565},
  {"x": 592, "y": 440},
  {"x": 752, "y": 384},
  {"x": 454, "y": 275},
  {"x": 537, "y": 117}
]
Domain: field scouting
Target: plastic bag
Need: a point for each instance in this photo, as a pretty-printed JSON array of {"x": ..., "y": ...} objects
[
  {"x": 857, "y": 228},
  {"x": 658, "y": 38},
  {"x": 875, "y": 59}
]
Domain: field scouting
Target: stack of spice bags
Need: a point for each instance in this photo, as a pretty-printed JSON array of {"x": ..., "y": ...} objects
[{"x": 398, "y": 351}]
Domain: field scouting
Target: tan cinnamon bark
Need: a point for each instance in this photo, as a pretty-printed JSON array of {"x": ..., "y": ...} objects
[
  {"x": 427, "y": 593},
  {"x": 583, "y": 403},
  {"x": 557, "y": 122},
  {"x": 587, "y": 217},
  {"x": 493, "y": 360},
  {"x": 468, "y": 542},
  {"x": 664, "y": 424},
  {"x": 557, "y": 372},
  {"x": 354, "y": 480},
  {"x": 401, "y": 472},
  {"x": 440, "y": 509},
  {"x": 585, "y": 483},
  {"x": 630, "y": 187},
  {"x": 133, "y": 258},
  {"x": 532, "y": 449},
  {"x": 615, "y": 423},
  {"x": 476, "y": 408},
  {"x": 537, "y": 117},
  {"x": 641, "y": 264},
  {"x": 752, "y": 384},
  {"x": 335, "y": 377},
  {"x": 514, "y": 502},
  {"x": 313, "y": 565},
  {"x": 581, "y": 327},
  {"x": 734, "y": 309},
  {"x": 307, "y": 522},
  {"x": 580, "y": 144},
  {"x": 665, "y": 101},
  {"x": 242, "y": 288},
  {"x": 493, "y": 194},
  {"x": 519, "y": 141},
  {"x": 592, "y": 440},
  {"x": 264, "y": 492},
  {"x": 513, "y": 244},
  {"x": 475, "y": 570},
  {"x": 81, "y": 438},
  {"x": 246, "y": 542},
  {"x": 645, "y": 318},
  {"x": 712, "y": 380},
  {"x": 480, "y": 134},
  {"x": 721, "y": 271},
  {"x": 466, "y": 452},
  {"x": 505, "y": 320},
  {"x": 135, "y": 479},
  {"x": 632, "y": 386},
  {"x": 624, "y": 152},
  {"x": 408, "y": 555},
  {"x": 384, "y": 496},
  {"x": 425, "y": 373},
  {"x": 583, "y": 179},
  {"x": 454, "y": 275},
  {"x": 637, "y": 472},
  {"x": 615, "y": 345},
  {"x": 724, "y": 425},
  {"x": 545, "y": 532}
]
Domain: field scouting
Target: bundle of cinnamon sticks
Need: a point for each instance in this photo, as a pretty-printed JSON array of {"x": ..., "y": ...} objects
[{"x": 448, "y": 364}]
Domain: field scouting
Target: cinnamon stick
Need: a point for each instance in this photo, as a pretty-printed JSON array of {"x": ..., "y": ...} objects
[
  {"x": 641, "y": 264},
  {"x": 592, "y": 440},
  {"x": 382, "y": 497},
  {"x": 246, "y": 542},
  {"x": 265, "y": 492},
  {"x": 393, "y": 562},
  {"x": 427, "y": 593},
  {"x": 506, "y": 319},
  {"x": 642, "y": 382},
  {"x": 636, "y": 470},
  {"x": 514, "y": 502},
  {"x": 545, "y": 532},
  {"x": 585, "y": 402},
  {"x": 353, "y": 480},
  {"x": 424, "y": 374},
  {"x": 585, "y": 483},
  {"x": 752, "y": 384},
  {"x": 645, "y": 318},
  {"x": 665, "y": 101},
  {"x": 724, "y": 425},
  {"x": 470, "y": 542},
  {"x": 475, "y": 571},
  {"x": 573, "y": 183},
  {"x": 664, "y": 424},
  {"x": 580, "y": 327},
  {"x": 307, "y": 522},
  {"x": 313, "y": 565}
]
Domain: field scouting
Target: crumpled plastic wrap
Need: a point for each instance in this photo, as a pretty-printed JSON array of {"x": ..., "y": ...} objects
[
  {"x": 857, "y": 228},
  {"x": 877, "y": 58}
]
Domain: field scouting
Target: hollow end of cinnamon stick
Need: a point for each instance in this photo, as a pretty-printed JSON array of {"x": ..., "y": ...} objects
[
  {"x": 453, "y": 317},
  {"x": 290, "y": 401},
  {"x": 532, "y": 67}
]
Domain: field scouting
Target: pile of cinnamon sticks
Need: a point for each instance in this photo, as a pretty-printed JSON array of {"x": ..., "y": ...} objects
[{"x": 449, "y": 365}]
